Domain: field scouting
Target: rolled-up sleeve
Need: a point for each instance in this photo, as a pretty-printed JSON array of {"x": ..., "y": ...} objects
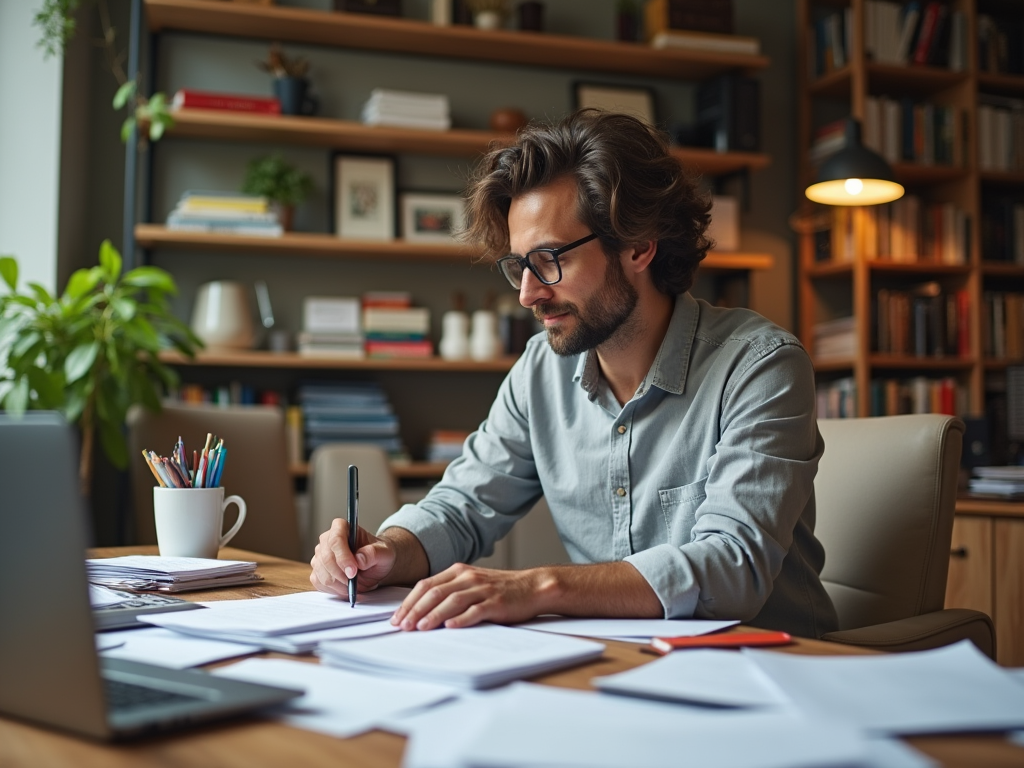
[
  {"x": 483, "y": 492},
  {"x": 759, "y": 483}
]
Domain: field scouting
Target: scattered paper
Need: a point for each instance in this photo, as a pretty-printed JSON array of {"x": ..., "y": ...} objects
[
  {"x": 955, "y": 688},
  {"x": 629, "y": 630},
  {"x": 475, "y": 657},
  {"x": 284, "y": 614},
  {"x": 530, "y": 725},
  {"x": 101, "y": 597},
  {"x": 105, "y": 642},
  {"x": 704, "y": 676},
  {"x": 169, "y": 649},
  {"x": 336, "y": 702}
]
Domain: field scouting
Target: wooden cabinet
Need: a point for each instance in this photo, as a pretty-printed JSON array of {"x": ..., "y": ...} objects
[{"x": 986, "y": 570}]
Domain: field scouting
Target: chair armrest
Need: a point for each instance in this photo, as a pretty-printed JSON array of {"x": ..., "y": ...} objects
[{"x": 918, "y": 633}]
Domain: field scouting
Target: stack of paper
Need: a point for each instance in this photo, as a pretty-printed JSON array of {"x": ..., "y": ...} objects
[
  {"x": 998, "y": 481},
  {"x": 169, "y": 574},
  {"x": 257, "y": 621},
  {"x": 407, "y": 110},
  {"x": 475, "y": 657}
]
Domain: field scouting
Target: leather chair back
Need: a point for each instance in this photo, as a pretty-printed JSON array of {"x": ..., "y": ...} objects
[
  {"x": 256, "y": 469},
  {"x": 886, "y": 492},
  {"x": 378, "y": 489}
]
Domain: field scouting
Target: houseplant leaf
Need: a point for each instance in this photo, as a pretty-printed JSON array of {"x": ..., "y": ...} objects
[
  {"x": 9, "y": 271},
  {"x": 80, "y": 360}
]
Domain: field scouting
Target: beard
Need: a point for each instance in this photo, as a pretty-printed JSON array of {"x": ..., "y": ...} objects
[{"x": 601, "y": 316}]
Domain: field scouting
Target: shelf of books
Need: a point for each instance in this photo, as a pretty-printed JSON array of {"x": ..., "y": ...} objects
[
  {"x": 294, "y": 360},
  {"x": 695, "y": 58},
  {"x": 908, "y": 307},
  {"x": 411, "y": 470}
]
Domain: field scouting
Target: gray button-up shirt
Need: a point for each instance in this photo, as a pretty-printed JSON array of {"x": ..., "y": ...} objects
[{"x": 703, "y": 480}]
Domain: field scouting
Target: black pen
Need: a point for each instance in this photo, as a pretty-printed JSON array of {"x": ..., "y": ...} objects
[{"x": 353, "y": 524}]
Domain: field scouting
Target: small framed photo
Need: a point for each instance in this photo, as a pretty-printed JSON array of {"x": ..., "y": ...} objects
[
  {"x": 636, "y": 101},
  {"x": 364, "y": 196},
  {"x": 431, "y": 218}
]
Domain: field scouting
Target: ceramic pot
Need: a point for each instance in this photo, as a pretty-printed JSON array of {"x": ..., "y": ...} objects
[
  {"x": 222, "y": 316},
  {"x": 454, "y": 336},
  {"x": 484, "y": 342}
]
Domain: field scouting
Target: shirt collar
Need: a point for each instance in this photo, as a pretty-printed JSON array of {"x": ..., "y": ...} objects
[{"x": 668, "y": 372}]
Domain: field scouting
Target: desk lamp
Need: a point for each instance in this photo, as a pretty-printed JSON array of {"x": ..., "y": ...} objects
[{"x": 854, "y": 175}]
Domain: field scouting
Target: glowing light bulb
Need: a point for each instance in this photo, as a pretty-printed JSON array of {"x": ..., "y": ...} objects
[{"x": 854, "y": 186}]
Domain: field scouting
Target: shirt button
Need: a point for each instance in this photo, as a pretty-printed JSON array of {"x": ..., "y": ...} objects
[
  {"x": 620, "y": 491},
  {"x": 622, "y": 429}
]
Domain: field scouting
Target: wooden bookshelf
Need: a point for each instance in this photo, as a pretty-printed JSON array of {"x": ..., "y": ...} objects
[
  {"x": 295, "y": 361},
  {"x": 357, "y": 137},
  {"x": 318, "y": 245},
  {"x": 412, "y": 470},
  {"x": 368, "y": 32}
]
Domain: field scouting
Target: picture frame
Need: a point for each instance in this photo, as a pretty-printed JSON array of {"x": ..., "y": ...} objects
[
  {"x": 431, "y": 217},
  {"x": 614, "y": 97},
  {"x": 363, "y": 192}
]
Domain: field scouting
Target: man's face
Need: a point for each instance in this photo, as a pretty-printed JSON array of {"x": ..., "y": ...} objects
[{"x": 594, "y": 297}]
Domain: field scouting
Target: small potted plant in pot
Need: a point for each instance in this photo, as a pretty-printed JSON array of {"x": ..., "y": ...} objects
[
  {"x": 91, "y": 352},
  {"x": 280, "y": 182},
  {"x": 291, "y": 86}
]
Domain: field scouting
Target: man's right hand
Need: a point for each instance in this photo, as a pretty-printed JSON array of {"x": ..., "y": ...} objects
[{"x": 334, "y": 563}]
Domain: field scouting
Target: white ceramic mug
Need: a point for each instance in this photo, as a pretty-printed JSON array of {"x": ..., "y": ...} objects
[
  {"x": 222, "y": 316},
  {"x": 189, "y": 521}
]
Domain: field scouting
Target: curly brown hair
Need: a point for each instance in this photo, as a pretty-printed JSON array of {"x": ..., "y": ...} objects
[{"x": 630, "y": 189}]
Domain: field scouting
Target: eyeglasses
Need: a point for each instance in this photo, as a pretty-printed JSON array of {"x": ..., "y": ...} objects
[{"x": 543, "y": 262}]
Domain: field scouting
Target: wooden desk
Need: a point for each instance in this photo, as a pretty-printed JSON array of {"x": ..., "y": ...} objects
[{"x": 254, "y": 744}]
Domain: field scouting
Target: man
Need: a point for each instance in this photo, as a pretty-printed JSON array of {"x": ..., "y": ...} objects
[{"x": 675, "y": 442}]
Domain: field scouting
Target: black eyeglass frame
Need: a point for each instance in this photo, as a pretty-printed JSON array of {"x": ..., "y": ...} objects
[{"x": 554, "y": 253}]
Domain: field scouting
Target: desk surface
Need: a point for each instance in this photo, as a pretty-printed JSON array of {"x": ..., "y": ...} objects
[{"x": 253, "y": 744}]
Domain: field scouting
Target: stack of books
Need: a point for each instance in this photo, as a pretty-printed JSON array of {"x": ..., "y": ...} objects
[
  {"x": 395, "y": 328},
  {"x": 407, "y": 110},
  {"x": 348, "y": 413},
  {"x": 1006, "y": 482},
  {"x": 446, "y": 444},
  {"x": 331, "y": 328},
  {"x": 917, "y": 32},
  {"x": 227, "y": 212},
  {"x": 1000, "y": 133},
  {"x": 835, "y": 339}
]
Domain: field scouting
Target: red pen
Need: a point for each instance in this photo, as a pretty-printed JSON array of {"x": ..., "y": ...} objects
[{"x": 665, "y": 645}]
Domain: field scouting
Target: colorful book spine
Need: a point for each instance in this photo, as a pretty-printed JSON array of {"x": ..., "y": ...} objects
[{"x": 187, "y": 98}]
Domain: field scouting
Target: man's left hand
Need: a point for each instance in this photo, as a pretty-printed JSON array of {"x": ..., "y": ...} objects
[{"x": 464, "y": 595}]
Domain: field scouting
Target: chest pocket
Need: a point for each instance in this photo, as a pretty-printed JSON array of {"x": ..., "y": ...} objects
[{"x": 679, "y": 508}]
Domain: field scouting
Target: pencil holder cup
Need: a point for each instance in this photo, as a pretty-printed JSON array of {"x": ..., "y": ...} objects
[{"x": 189, "y": 521}]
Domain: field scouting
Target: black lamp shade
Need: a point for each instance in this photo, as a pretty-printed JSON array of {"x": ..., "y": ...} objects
[{"x": 854, "y": 175}]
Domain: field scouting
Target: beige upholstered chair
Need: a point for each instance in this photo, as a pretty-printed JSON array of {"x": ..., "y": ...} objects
[
  {"x": 328, "y": 478},
  {"x": 886, "y": 491},
  {"x": 256, "y": 469}
]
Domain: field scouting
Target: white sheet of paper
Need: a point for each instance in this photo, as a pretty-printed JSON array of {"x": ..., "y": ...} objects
[
  {"x": 284, "y": 614},
  {"x": 300, "y": 642},
  {"x": 630, "y": 630},
  {"x": 439, "y": 735},
  {"x": 169, "y": 649},
  {"x": 105, "y": 642},
  {"x": 699, "y": 675},
  {"x": 576, "y": 729},
  {"x": 955, "y": 688},
  {"x": 336, "y": 702},
  {"x": 475, "y": 657},
  {"x": 893, "y": 753},
  {"x": 100, "y": 597}
]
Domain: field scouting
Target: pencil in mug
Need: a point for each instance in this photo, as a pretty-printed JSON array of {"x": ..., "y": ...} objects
[{"x": 153, "y": 470}]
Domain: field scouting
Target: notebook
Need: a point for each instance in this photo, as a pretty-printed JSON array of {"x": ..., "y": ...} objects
[{"x": 49, "y": 666}]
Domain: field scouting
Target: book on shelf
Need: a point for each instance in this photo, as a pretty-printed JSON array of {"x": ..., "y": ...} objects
[
  {"x": 225, "y": 212},
  {"x": 837, "y": 399},
  {"x": 905, "y": 131},
  {"x": 1000, "y": 44},
  {"x": 414, "y": 320},
  {"x": 915, "y": 33},
  {"x": 677, "y": 39},
  {"x": 405, "y": 109},
  {"x": 918, "y": 394},
  {"x": 331, "y": 315},
  {"x": 922, "y": 322},
  {"x": 337, "y": 345},
  {"x": 1002, "y": 325},
  {"x": 829, "y": 42},
  {"x": 189, "y": 98},
  {"x": 835, "y": 339},
  {"x": 385, "y": 349},
  {"x": 347, "y": 412},
  {"x": 700, "y": 15},
  {"x": 232, "y": 393},
  {"x": 1000, "y": 133},
  {"x": 1002, "y": 230},
  {"x": 446, "y": 444}
]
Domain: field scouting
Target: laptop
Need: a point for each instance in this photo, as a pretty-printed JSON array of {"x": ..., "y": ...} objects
[{"x": 50, "y": 672}]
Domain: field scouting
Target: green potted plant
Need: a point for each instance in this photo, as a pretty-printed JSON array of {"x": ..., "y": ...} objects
[
  {"x": 92, "y": 352},
  {"x": 280, "y": 182}
]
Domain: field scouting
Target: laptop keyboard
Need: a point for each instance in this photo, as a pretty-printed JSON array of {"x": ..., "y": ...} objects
[{"x": 126, "y": 696}]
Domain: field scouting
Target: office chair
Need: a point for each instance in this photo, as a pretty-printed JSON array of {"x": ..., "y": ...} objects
[
  {"x": 328, "y": 480},
  {"x": 256, "y": 469},
  {"x": 886, "y": 492}
]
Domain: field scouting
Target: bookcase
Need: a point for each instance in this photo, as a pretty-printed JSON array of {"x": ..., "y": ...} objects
[
  {"x": 430, "y": 393},
  {"x": 920, "y": 283}
]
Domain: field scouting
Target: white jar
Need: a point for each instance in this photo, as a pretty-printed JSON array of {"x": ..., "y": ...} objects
[
  {"x": 484, "y": 342},
  {"x": 454, "y": 336}
]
